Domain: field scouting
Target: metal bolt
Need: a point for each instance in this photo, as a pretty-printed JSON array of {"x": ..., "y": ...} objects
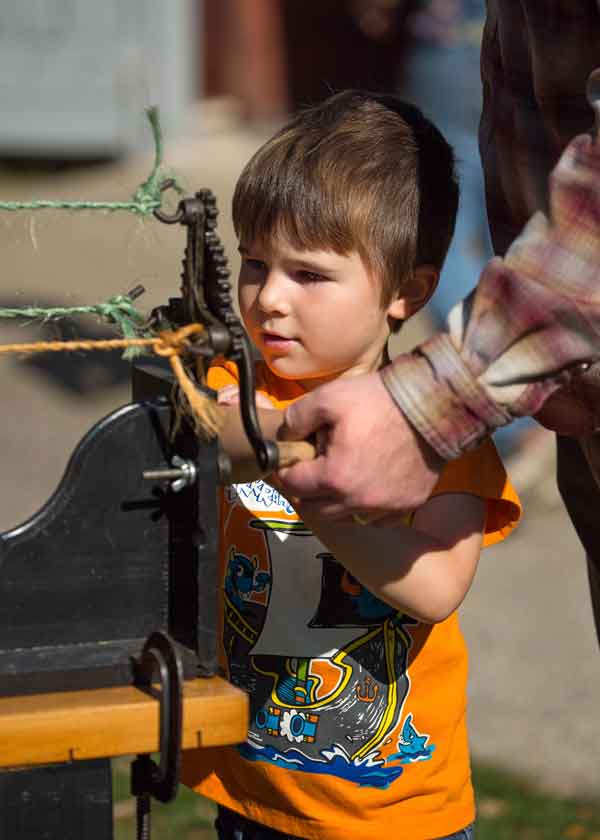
[
  {"x": 136, "y": 292},
  {"x": 181, "y": 474}
]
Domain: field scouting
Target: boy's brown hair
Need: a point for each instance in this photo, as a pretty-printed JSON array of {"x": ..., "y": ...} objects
[{"x": 358, "y": 172}]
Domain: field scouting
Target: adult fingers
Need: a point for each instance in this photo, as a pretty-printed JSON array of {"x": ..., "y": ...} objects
[
  {"x": 332, "y": 510},
  {"x": 304, "y": 479},
  {"x": 323, "y": 508},
  {"x": 387, "y": 520}
]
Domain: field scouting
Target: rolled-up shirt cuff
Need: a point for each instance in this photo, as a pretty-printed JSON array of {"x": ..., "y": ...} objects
[{"x": 441, "y": 399}]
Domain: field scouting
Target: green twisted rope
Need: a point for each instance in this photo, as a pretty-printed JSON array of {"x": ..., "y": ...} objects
[
  {"x": 144, "y": 201},
  {"x": 118, "y": 310}
]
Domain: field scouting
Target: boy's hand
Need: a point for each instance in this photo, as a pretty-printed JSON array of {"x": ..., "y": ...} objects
[
  {"x": 289, "y": 452},
  {"x": 230, "y": 395},
  {"x": 374, "y": 463},
  {"x": 232, "y": 434}
]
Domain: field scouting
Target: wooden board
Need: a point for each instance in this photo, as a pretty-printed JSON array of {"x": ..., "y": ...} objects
[{"x": 46, "y": 728}]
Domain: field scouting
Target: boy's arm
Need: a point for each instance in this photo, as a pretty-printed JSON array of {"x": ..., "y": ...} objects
[
  {"x": 232, "y": 437},
  {"x": 234, "y": 441},
  {"x": 424, "y": 570}
]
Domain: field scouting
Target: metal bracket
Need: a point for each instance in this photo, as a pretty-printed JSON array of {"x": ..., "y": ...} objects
[{"x": 147, "y": 778}]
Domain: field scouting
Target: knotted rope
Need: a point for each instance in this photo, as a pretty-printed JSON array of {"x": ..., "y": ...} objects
[
  {"x": 118, "y": 310},
  {"x": 204, "y": 412}
]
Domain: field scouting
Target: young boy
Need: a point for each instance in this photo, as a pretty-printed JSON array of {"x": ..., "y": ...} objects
[{"x": 345, "y": 635}]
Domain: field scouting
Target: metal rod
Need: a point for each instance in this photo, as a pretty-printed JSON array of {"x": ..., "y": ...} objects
[{"x": 162, "y": 475}]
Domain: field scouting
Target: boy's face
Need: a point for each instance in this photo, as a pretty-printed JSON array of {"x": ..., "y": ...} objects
[{"x": 313, "y": 315}]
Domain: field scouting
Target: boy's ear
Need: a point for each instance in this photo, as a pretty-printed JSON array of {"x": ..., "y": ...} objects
[{"x": 415, "y": 293}]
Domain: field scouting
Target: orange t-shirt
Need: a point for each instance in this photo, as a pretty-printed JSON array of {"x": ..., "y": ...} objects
[{"x": 357, "y": 712}]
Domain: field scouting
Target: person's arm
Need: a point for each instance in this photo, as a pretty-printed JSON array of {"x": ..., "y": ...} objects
[
  {"x": 425, "y": 569},
  {"x": 528, "y": 328},
  {"x": 532, "y": 323},
  {"x": 373, "y": 459},
  {"x": 233, "y": 440}
]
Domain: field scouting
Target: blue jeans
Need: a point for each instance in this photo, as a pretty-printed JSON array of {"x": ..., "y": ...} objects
[{"x": 232, "y": 826}]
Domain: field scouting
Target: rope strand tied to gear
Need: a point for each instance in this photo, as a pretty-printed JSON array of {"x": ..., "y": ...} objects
[
  {"x": 204, "y": 413},
  {"x": 146, "y": 199}
]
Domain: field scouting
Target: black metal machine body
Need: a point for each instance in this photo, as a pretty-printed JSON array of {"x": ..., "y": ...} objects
[
  {"x": 125, "y": 548},
  {"x": 110, "y": 558}
]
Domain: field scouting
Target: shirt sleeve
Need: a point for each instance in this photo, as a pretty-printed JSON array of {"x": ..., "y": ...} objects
[
  {"x": 481, "y": 473},
  {"x": 221, "y": 374},
  {"x": 224, "y": 373},
  {"x": 531, "y": 324}
]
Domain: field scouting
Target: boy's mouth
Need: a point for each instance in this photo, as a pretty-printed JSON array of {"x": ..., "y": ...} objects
[{"x": 273, "y": 339}]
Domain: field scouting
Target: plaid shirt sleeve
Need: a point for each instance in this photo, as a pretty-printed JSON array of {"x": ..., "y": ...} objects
[
  {"x": 533, "y": 319},
  {"x": 535, "y": 314}
]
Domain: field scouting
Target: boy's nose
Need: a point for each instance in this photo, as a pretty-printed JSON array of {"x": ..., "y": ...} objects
[{"x": 273, "y": 296}]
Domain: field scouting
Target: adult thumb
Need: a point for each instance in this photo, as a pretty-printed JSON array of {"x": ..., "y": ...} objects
[{"x": 303, "y": 418}]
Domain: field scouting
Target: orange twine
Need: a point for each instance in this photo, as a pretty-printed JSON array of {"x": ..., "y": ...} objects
[{"x": 171, "y": 344}]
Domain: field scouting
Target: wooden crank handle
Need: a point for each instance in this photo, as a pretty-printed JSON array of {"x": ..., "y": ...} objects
[{"x": 292, "y": 451}]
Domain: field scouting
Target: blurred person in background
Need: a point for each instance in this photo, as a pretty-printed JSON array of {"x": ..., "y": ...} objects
[{"x": 442, "y": 76}]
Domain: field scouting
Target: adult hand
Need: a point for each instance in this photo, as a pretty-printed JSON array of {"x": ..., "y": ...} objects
[{"x": 371, "y": 462}]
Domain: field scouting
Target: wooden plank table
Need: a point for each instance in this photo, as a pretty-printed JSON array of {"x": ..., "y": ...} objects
[{"x": 107, "y": 722}]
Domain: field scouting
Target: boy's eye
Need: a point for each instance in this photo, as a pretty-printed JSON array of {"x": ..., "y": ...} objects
[{"x": 310, "y": 276}]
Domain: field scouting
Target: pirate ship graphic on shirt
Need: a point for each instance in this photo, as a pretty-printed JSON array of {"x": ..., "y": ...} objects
[{"x": 323, "y": 660}]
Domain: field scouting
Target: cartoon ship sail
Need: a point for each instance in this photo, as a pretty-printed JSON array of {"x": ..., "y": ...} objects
[{"x": 328, "y": 671}]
